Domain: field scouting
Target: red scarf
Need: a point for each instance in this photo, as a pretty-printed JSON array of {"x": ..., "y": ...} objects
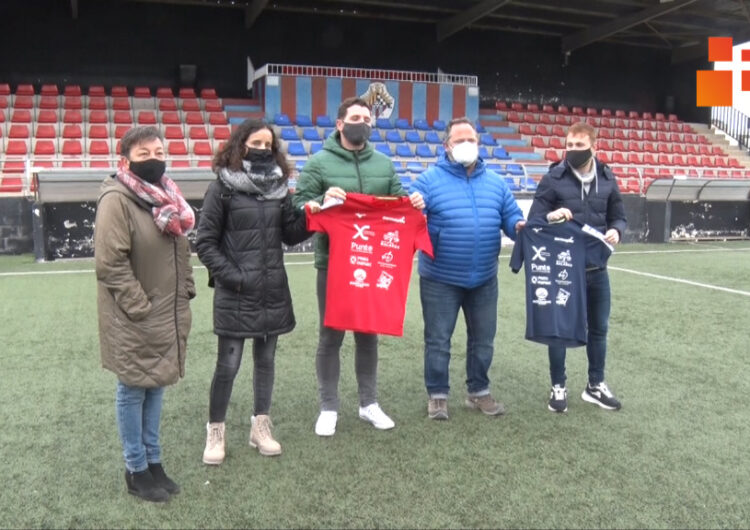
[{"x": 172, "y": 214}]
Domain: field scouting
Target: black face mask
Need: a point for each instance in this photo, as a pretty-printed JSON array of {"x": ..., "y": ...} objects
[
  {"x": 258, "y": 156},
  {"x": 356, "y": 133},
  {"x": 578, "y": 157},
  {"x": 149, "y": 170}
]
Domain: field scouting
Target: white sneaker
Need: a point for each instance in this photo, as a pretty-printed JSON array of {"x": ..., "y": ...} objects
[
  {"x": 326, "y": 424},
  {"x": 375, "y": 415}
]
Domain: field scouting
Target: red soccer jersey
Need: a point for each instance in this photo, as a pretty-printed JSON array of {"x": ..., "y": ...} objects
[{"x": 371, "y": 253}]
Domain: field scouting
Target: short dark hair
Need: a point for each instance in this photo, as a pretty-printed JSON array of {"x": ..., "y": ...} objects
[
  {"x": 138, "y": 135},
  {"x": 350, "y": 102},
  {"x": 454, "y": 122},
  {"x": 231, "y": 153}
]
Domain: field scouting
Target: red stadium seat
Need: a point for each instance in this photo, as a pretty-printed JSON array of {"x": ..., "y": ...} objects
[
  {"x": 618, "y": 158},
  {"x": 47, "y": 116},
  {"x": 562, "y": 119},
  {"x": 187, "y": 92},
  {"x": 96, "y": 91},
  {"x": 23, "y": 102},
  {"x": 173, "y": 132},
  {"x": 203, "y": 148},
  {"x": 164, "y": 92},
  {"x": 542, "y": 130},
  {"x": 25, "y": 89},
  {"x": 555, "y": 142},
  {"x": 197, "y": 133},
  {"x": 578, "y": 111},
  {"x": 98, "y": 148},
  {"x": 194, "y": 118},
  {"x": 120, "y": 103},
  {"x": 119, "y": 91},
  {"x": 72, "y": 148},
  {"x": 548, "y": 119},
  {"x": 98, "y": 131},
  {"x": 72, "y": 131},
  {"x": 146, "y": 117},
  {"x": 591, "y": 111},
  {"x": 679, "y": 160},
  {"x": 120, "y": 130},
  {"x": 221, "y": 133},
  {"x": 517, "y": 106},
  {"x": 123, "y": 117},
  {"x": 141, "y": 92},
  {"x": 17, "y": 147},
  {"x": 217, "y": 118},
  {"x": 98, "y": 116},
  {"x": 44, "y": 147},
  {"x": 538, "y": 141},
  {"x": 45, "y": 130},
  {"x": 4, "y": 89},
  {"x": 665, "y": 160},
  {"x": 552, "y": 155},
  {"x": 707, "y": 161},
  {"x": 190, "y": 105},
  {"x": 48, "y": 102},
  {"x": 514, "y": 117},
  {"x": 170, "y": 118},
  {"x": 562, "y": 109},
  {"x": 213, "y": 105},
  {"x": 531, "y": 118},
  {"x": 209, "y": 93},
  {"x": 167, "y": 104},
  {"x": 72, "y": 91},
  {"x": 97, "y": 103},
  {"x": 72, "y": 103},
  {"x": 75, "y": 116},
  {"x": 49, "y": 90},
  {"x": 557, "y": 130},
  {"x": 606, "y": 112},
  {"x": 528, "y": 130},
  {"x": 634, "y": 158},
  {"x": 19, "y": 130},
  {"x": 619, "y": 113},
  {"x": 532, "y": 107}
]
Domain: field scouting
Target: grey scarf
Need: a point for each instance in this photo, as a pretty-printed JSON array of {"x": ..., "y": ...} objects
[{"x": 265, "y": 180}]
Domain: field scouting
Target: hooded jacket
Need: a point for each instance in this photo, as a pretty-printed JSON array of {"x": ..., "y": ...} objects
[
  {"x": 465, "y": 214},
  {"x": 365, "y": 171},
  {"x": 144, "y": 284}
]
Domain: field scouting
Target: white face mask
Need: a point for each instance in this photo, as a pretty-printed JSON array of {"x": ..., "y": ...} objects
[{"x": 465, "y": 153}]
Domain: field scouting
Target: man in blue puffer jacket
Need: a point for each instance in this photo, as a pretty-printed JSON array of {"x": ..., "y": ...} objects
[{"x": 467, "y": 205}]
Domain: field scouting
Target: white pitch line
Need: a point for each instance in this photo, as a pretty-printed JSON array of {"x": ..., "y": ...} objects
[{"x": 680, "y": 280}]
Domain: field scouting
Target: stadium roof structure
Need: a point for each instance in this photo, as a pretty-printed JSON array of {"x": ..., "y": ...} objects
[{"x": 682, "y": 26}]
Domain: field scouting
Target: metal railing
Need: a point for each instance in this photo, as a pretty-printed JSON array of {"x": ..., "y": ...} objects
[
  {"x": 733, "y": 123},
  {"x": 370, "y": 74}
]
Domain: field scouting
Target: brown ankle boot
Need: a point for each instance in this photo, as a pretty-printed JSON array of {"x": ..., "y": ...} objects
[{"x": 261, "y": 437}]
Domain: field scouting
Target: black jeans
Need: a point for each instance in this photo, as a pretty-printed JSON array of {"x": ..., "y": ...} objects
[{"x": 227, "y": 366}]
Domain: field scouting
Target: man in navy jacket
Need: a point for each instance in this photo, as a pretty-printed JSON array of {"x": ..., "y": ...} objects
[
  {"x": 582, "y": 188},
  {"x": 467, "y": 205}
]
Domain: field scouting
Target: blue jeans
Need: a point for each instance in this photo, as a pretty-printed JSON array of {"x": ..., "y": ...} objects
[
  {"x": 440, "y": 305},
  {"x": 598, "y": 299},
  {"x": 138, "y": 414}
]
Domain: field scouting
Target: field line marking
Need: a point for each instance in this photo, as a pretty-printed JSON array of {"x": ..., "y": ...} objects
[{"x": 680, "y": 280}]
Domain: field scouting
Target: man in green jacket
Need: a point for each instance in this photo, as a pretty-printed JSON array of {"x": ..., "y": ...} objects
[{"x": 347, "y": 162}]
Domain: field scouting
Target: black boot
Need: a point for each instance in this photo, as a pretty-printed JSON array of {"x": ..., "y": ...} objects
[
  {"x": 162, "y": 480},
  {"x": 142, "y": 485}
]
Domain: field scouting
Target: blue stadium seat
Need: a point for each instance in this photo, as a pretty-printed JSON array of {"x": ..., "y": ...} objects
[
  {"x": 438, "y": 125},
  {"x": 384, "y": 148},
  {"x": 404, "y": 150},
  {"x": 399, "y": 167},
  {"x": 487, "y": 139},
  {"x": 422, "y": 125},
  {"x": 480, "y": 128},
  {"x": 375, "y": 136},
  {"x": 315, "y": 147},
  {"x": 303, "y": 120},
  {"x": 529, "y": 184},
  {"x": 327, "y": 133},
  {"x": 324, "y": 121},
  {"x": 415, "y": 167},
  {"x": 289, "y": 133},
  {"x": 299, "y": 164},
  {"x": 431, "y": 137},
  {"x": 405, "y": 181},
  {"x": 296, "y": 149},
  {"x": 402, "y": 123},
  {"x": 393, "y": 136},
  {"x": 412, "y": 137},
  {"x": 282, "y": 120},
  {"x": 514, "y": 169},
  {"x": 483, "y": 152},
  {"x": 500, "y": 153},
  {"x": 497, "y": 168},
  {"x": 424, "y": 151},
  {"x": 439, "y": 150},
  {"x": 383, "y": 123},
  {"x": 310, "y": 133},
  {"x": 511, "y": 182}
]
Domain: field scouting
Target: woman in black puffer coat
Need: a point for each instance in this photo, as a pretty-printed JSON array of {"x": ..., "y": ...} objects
[{"x": 247, "y": 214}]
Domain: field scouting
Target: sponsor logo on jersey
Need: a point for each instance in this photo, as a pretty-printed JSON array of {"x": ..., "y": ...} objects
[
  {"x": 360, "y": 261},
  {"x": 390, "y": 240},
  {"x": 364, "y": 248},
  {"x": 384, "y": 280},
  {"x": 564, "y": 259},
  {"x": 562, "y": 278},
  {"x": 541, "y": 269},
  {"x": 360, "y": 275},
  {"x": 540, "y": 280},
  {"x": 541, "y": 295},
  {"x": 362, "y": 232},
  {"x": 562, "y": 297},
  {"x": 540, "y": 253},
  {"x": 401, "y": 220},
  {"x": 569, "y": 240}
]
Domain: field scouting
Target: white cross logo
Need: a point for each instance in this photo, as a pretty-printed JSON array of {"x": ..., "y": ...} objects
[{"x": 538, "y": 253}]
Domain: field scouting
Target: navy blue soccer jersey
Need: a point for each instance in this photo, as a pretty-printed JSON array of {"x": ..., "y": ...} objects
[{"x": 554, "y": 256}]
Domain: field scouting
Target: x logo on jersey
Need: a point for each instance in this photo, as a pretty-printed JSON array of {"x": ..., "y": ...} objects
[
  {"x": 540, "y": 253},
  {"x": 361, "y": 232}
]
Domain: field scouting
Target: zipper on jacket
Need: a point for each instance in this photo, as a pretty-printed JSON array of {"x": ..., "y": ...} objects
[
  {"x": 264, "y": 268},
  {"x": 475, "y": 254},
  {"x": 176, "y": 297},
  {"x": 359, "y": 176}
]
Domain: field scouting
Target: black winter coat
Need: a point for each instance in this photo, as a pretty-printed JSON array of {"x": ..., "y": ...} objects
[{"x": 241, "y": 248}]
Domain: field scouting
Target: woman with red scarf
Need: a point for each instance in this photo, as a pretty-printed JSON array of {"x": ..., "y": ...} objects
[{"x": 144, "y": 284}]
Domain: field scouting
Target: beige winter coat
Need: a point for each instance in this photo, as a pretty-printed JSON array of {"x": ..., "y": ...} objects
[{"x": 144, "y": 284}]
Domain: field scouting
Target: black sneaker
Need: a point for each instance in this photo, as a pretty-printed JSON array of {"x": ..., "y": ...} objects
[
  {"x": 558, "y": 399},
  {"x": 601, "y": 395}
]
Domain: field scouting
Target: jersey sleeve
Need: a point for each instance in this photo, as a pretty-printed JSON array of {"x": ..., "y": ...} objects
[
  {"x": 317, "y": 222},
  {"x": 516, "y": 257},
  {"x": 422, "y": 239}
]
